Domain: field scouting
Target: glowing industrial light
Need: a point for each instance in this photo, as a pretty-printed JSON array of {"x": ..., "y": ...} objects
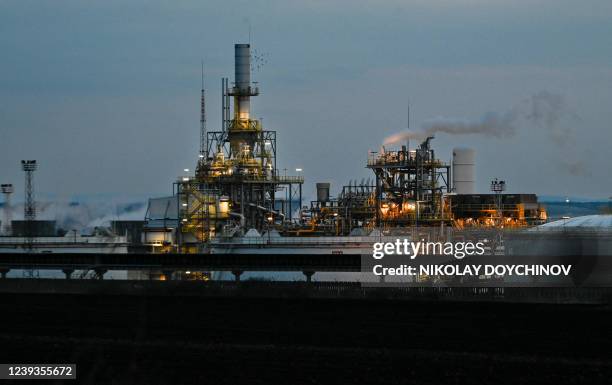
[
  {"x": 408, "y": 206},
  {"x": 335, "y": 214},
  {"x": 186, "y": 170},
  {"x": 270, "y": 219},
  {"x": 298, "y": 170},
  {"x": 224, "y": 205},
  {"x": 184, "y": 219},
  {"x": 384, "y": 209},
  {"x": 184, "y": 204},
  {"x": 185, "y": 179},
  {"x": 201, "y": 156},
  {"x": 188, "y": 272}
]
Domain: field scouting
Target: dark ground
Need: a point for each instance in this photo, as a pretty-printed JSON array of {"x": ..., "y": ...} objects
[{"x": 179, "y": 339}]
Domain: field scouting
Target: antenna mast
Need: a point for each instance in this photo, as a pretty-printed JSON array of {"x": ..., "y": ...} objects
[
  {"x": 202, "y": 116},
  {"x": 408, "y": 114},
  {"x": 408, "y": 128}
]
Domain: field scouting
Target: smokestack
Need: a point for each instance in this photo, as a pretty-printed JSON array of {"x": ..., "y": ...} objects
[
  {"x": 241, "y": 128},
  {"x": 242, "y": 76}
]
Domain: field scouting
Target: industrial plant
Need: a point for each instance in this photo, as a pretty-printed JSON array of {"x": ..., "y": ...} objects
[
  {"x": 236, "y": 212},
  {"x": 237, "y": 197}
]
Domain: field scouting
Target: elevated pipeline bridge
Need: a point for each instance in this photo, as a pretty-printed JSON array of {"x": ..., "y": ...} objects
[
  {"x": 587, "y": 269},
  {"x": 169, "y": 263}
]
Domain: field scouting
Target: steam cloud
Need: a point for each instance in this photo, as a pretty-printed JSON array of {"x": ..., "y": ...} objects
[
  {"x": 83, "y": 215},
  {"x": 544, "y": 109}
]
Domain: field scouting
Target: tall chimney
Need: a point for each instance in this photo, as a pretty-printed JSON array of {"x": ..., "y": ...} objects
[{"x": 242, "y": 78}]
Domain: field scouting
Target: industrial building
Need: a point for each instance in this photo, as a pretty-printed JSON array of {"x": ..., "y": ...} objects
[
  {"x": 506, "y": 210},
  {"x": 35, "y": 228}
]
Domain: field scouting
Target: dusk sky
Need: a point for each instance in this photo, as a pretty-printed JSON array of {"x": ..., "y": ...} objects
[{"x": 105, "y": 95}]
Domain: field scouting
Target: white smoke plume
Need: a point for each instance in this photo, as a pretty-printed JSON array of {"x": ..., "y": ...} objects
[
  {"x": 404, "y": 136},
  {"x": 543, "y": 109},
  {"x": 491, "y": 124},
  {"x": 84, "y": 214}
]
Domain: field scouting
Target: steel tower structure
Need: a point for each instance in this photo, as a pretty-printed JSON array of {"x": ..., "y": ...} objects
[{"x": 29, "y": 207}]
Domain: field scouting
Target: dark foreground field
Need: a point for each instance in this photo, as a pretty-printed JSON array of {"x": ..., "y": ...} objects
[{"x": 202, "y": 339}]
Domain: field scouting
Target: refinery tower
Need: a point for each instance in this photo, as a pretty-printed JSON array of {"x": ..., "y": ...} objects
[{"x": 236, "y": 186}]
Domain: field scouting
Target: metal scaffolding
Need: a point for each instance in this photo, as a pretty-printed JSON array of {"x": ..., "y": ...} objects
[
  {"x": 410, "y": 186},
  {"x": 237, "y": 185}
]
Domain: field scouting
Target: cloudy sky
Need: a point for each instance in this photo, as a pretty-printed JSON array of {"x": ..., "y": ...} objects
[{"x": 105, "y": 95}]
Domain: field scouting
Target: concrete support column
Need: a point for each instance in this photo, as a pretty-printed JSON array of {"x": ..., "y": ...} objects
[
  {"x": 68, "y": 273},
  {"x": 237, "y": 274},
  {"x": 4, "y": 272},
  {"x": 309, "y": 275}
]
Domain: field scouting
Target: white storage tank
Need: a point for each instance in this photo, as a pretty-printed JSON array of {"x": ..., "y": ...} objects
[{"x": 464, "y": 170}]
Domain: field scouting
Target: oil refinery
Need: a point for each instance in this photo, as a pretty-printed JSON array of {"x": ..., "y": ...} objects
[
  {"x": 306, "y": 192},
  {"x": 237, "y": 199}
]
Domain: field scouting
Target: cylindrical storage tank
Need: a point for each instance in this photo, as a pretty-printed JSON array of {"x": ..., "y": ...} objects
[
  {"x": 242, "y": 77},
  {"x": 464, "y": 170},
  {"x": 323, "y": 192}
]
